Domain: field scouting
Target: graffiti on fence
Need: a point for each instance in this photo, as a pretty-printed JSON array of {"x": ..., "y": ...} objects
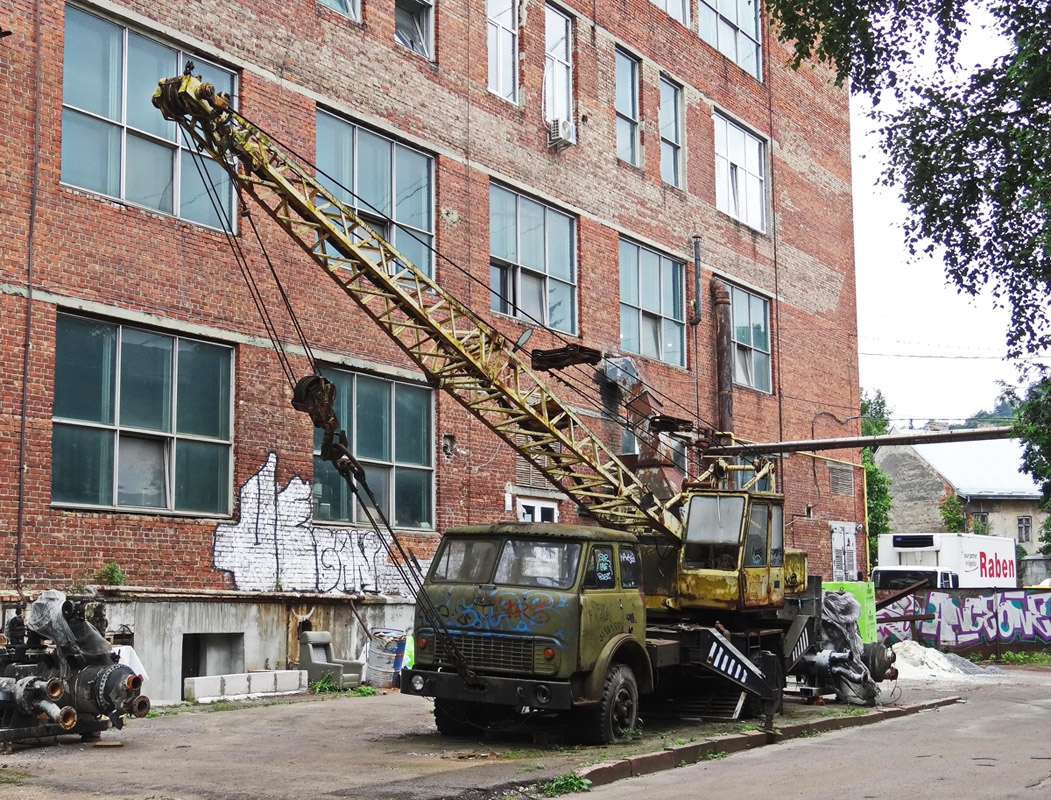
[{"x": 964, "y": 620}]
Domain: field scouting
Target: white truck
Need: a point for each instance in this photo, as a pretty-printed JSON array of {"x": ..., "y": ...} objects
[{"x": 945, "y": 561}]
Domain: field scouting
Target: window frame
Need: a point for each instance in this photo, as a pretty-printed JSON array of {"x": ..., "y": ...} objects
[
  {"x": 556, "y": 67},
  {"x": 671, "y": 149},
  {"x": 628, "y": 119},
  {"x": 351, "y": 9},
  {"x": 423, "y": 10},
  {"x": 503, "y": 37},
  {"x": 169, "y": 439},
  {"x": 1025, "y": 528},
  {"x": 636, "y": 307},
  {"x": 716, "y": 27},
  {"x": 507, "y": 300},
  {"x": 747, "y": 348},
  {"x": 733, "y": 194},
  {"x": 683, "y": 8},
  {"x": 183, "y": 151},
  {"x": 349, "y": 420},
  {"x": 389, "y": 227}
]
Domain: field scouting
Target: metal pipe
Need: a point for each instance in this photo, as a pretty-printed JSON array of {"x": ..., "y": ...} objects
[
  {"x": 851, "y": 442},
  {"x": 695, "y": 317},
  {"x": 724, "y": 353}
]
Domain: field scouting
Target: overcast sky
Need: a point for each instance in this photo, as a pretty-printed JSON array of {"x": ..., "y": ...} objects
[{"x": 934, "y": 353}]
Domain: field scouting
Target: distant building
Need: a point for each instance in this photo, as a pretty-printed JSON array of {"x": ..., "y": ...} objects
[{"x": 997, "y": 497}]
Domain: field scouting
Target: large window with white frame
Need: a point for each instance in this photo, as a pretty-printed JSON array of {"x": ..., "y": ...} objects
[
  {"x": 740, "y": 173},
  {"x": 503, "y": 48},
  {"x": 414, "y": 25},
  {"x": 388, "y": 425},
  {"x": 115, "y": 142},
  {"x": 751, "y": 337},
  {"x": 141, "y": 420},
  {"x": 652, "y": 309},
  {"x": 348, "y": 8},
  {"x": 558, "y": 65},
  {"x": 532, "y": 272},
  {"x": 733, "y": 28},
  {"x": 671, "y": 132},
  {"x": 389, "y": 184},
  {"x": 627, "y": 107}
]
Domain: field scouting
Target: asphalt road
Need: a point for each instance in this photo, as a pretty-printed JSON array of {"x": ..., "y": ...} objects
[{"x": 386, "y": 748}]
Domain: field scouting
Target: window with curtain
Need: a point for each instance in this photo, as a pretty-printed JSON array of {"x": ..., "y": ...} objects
[
  {"x": 558, "y": 65},
  {"x": 502, "y": 25},
  {"x": 740, "y": 173}
]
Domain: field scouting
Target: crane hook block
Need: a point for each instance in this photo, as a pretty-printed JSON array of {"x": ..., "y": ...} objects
[{"x": 316, "y": 396}]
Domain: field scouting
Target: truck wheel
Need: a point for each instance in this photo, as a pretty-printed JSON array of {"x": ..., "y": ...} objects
[
  {"x": 451, "y": 718},
  {"x": 618, "y": 711}
]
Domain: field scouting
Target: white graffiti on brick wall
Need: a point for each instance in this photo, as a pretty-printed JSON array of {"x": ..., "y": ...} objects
[
  {"x": 897, "y": 631},
  {"x": 1013, "y": 616},
  {"x": 274, "y": 544}
]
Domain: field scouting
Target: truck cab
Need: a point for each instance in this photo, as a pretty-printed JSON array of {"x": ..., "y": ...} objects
[{"x": 537, "y": 610}]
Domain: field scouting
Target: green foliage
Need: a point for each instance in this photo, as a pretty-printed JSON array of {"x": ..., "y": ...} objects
[
  {"x": 1002, "y": 414},
  {"x": 326, "y": 684},
  {"x": 1020, "y": 554},
  {"x": 1026, "y": 657},
  {"x": 110, "y": 575},
  {"x": 878, "y": 501},
  {"x": 951, "y": 510},
  {"x": 565, "y": 784},
  {"x": 223, "y": 707},
  {"x": 715, "y": 756},
  {"x": 364, "y": 691},
  {"x": 1045, "y": 539},
  {"x": 875, "y": 415},
  {"x": 1033, "y": 427}
]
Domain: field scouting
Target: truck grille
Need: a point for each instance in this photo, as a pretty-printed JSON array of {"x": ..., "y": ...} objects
[{"x": 488, "y": 651}]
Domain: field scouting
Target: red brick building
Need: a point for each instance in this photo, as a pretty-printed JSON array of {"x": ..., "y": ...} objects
[{"x": 558, "y": 157}]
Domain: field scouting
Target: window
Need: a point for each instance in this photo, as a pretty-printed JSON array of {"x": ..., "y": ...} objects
[
  {"x": 627, "y": 108},
  {"x": 671, "y": 133},
  {"x": 558, "y": 65},
  {"x": 115, "y": 142},
  {"x": 141, "y": 419},
  {"x": 751, "y": 336},
  {"x": 676, "y": 8},
  {"x": 503, "y": 49},
  {"x": 629, "y": 568},
  {"x": 740, "y": 166},
  {"x": 348, "y": 8},
  {"x": 599, "y": 571},
  {"x": 980, "y": 522},
  {"x": 530, "y": 510},
  {"x": 732, "y": 27},
  {"x": 388, "y": 425},
  {"x": 412, "y": 25},
  {"x": 1025, "y": 529},
  {"x": 382, "y": 180},
  {"x": 651, "y": 304},
  {"x": 669, "y": 447},
  {"x": 531, "y": 272}
]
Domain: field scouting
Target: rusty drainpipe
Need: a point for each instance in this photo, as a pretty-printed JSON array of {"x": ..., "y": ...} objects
[{"x": 723, "y": 354}]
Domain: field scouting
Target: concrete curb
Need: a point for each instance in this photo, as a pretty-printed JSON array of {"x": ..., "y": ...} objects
[{"x": 703, "y": 749}]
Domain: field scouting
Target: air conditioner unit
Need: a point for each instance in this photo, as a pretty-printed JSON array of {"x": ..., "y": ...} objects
[{"x": 561, "y": 134}]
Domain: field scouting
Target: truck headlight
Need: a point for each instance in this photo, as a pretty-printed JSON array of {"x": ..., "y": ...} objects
[{"x": 417, "y": 683}]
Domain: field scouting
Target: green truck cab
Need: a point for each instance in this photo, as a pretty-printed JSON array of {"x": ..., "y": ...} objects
[{"x": 547, "y": 617}]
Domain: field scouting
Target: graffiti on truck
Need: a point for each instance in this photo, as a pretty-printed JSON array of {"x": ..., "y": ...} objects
[
  {"x": 963, "y": 620},
  {"x": 274, "y": 544}
]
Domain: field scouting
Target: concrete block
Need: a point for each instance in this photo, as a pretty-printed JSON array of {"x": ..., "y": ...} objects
[
  {"x": 648, "y": 763},
  {"x": 205, "y": 686},
  {"x": 290, "y": 680},
  {"x": 235, "y": 684},
  {"x": 262, "y": 682}
]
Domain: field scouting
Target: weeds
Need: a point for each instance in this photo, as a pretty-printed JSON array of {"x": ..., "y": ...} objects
[
  {"x": 565, "y": 784},
  {"x": 11, "y": 776},
  {"x": 1028, "y": 657},
  {"x": 716, "y": 756}
]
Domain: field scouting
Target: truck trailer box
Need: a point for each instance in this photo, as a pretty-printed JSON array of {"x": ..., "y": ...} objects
[{"x": 979, "y": 562}]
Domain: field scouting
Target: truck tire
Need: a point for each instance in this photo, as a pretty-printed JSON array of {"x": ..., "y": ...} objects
[
  {"x": 452, "y": 718},
  {"x": 618, "y": 711}
]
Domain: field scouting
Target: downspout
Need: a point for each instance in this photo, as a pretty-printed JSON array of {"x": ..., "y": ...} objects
[{"x": 723, "y": 355}]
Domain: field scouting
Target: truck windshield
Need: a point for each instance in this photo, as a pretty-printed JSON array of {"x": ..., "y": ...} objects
[
  {"x": 902, "y": 579},
  {"x": 465, "y": 561},
  {"x": 525, "y": 562},
  {"x": 517, "y": 562},
  {"x": 713, "y": 532}
]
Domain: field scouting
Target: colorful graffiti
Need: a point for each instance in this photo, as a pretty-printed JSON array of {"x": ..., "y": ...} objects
[
  {"x": 533, "y": 613},
  {"x": 897, "y": 631},
  {"x": 964, "y": 620},
  {"x": 274, "y": 545}
]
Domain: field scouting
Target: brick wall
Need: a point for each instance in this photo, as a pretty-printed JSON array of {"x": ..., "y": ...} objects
[{"x": 129, "y": 264}]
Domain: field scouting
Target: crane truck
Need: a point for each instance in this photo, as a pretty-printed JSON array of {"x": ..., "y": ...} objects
[{"x": 688, "y": 595}]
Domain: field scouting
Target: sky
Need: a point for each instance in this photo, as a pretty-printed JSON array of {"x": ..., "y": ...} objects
[{"x": 934, "y": 353}]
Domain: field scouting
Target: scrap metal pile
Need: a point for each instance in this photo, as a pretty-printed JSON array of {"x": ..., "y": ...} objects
[{"x": 58, "y": 675}]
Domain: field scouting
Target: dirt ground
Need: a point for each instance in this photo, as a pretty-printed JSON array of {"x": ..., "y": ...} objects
[{"x": 368, "y": 748}]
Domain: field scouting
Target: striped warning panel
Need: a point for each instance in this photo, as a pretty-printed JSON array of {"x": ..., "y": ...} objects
[
  {"x": 721, "y": 659},
  {"x": 801, "y": 646}
]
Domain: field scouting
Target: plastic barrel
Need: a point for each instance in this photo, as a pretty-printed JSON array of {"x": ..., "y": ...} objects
[{"x": 386, "y": 654}]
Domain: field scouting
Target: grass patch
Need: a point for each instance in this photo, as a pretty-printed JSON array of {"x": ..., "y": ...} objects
[
  {"x": 223, "y": 707},
  {"x": 12, "y": 776},
  {"x": 1028, "y": 657},
  {"x": 565, "y": 784},
  {"x": 715, "y": 756}
]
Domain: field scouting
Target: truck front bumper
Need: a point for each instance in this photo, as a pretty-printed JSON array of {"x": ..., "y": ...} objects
[{"x": 507, "y": 691}]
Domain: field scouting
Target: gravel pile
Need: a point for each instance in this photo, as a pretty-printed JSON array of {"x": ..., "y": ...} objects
[{"x": 918, "y": 662}]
